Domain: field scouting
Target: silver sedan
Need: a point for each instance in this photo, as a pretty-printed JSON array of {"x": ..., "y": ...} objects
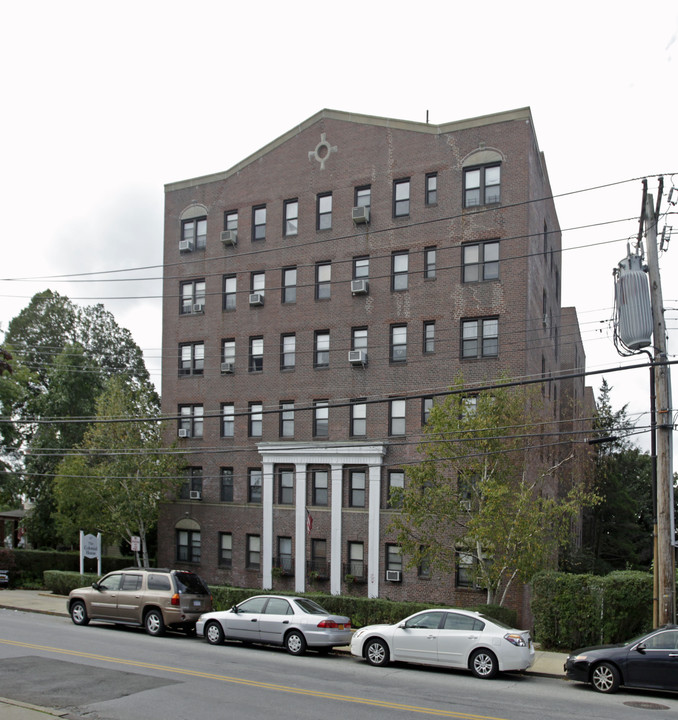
[
  {"x": 294, "y": 622},
  {"x": 450, "y": 638}
]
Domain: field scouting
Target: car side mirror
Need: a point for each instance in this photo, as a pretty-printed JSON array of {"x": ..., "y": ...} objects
[
  {"x": 641, "y": 648},
  {"x": 234, "y": 609},
  {"x": 95, "y": 585}
]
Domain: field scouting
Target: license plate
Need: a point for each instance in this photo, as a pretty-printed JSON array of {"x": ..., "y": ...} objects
[
  {"x": 341, "y": 627},
  {"x": 197, "y": 603}
]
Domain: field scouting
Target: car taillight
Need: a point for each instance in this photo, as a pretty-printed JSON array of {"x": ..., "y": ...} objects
[
  {"x": 515, "y": 639},
  {"x": 327, "y": 624},
  {"x": 176, "y": 599}
]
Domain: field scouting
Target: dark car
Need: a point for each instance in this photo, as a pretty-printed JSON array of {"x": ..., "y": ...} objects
[{"x": 649, "y": 661}]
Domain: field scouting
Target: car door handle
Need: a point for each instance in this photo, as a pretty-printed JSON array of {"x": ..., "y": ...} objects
[
  {"x": 286, "y": 622},
  {"x": 430, "y": 637},
  {"x": 253, "y": 620},
  {"x": 673, "y": 654},
  {"x": 471, "y": 637}
]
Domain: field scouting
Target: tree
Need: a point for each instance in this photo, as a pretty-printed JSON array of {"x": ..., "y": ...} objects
[
  {"x": 482, "y": 490},
  {"x": 618, "y": 530},
  {"x": 120, "y": 472},
  {"x": 63, "y": 355}
]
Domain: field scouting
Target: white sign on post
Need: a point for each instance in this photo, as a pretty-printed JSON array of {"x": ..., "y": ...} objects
[
  {"x": 90, "y": 547},
  {"x": 135, "y": 543}
]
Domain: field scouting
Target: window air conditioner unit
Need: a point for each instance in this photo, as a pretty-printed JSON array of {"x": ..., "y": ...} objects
[
  {"x": 256, "y": 298},
  {"x": 195, "y": 495},
  {"x": 227, "y": 367},
  {"x": 183, "y": 432},
  {"x": 198, "y": 307},
  {"x": 185, "y": 245},
  {"x": 229, "y": 237},
  {"x": 393, "y": 575},
  {"x": 359, "y": 287},
  {"x": 357, "y": 357},
  {"x": 361, "y": 215}
]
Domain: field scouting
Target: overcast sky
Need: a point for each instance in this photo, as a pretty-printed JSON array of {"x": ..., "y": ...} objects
[{"x": 106, "y": 102}]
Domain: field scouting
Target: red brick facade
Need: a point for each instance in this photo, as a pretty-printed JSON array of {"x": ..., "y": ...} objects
[{"x": 338, "y": 153}]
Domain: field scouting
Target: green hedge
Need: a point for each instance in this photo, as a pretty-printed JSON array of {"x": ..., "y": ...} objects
[
  {"x": 362, "y": 611},
  {"x": 572, "y": 611}
]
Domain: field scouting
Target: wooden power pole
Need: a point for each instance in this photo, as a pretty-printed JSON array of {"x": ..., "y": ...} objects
[{"x": 664, "y": 553}]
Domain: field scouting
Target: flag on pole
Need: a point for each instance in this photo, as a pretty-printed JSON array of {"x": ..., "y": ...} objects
[{"x": 309, "y": 522}]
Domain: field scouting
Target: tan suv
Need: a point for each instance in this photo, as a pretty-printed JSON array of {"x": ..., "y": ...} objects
[{"x": 153, "y": 598}]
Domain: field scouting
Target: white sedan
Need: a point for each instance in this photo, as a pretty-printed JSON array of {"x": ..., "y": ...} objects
[
  {"x": 294, "y": 622},
  {"x": 449, "y": 638}
]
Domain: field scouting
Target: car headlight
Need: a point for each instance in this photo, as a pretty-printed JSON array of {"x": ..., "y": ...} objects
[
  {"x": 579, "y": 658},
  {"x": 515, "y": 639}
]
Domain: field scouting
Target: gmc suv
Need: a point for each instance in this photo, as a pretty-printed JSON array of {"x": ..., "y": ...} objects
[{"x": 152, "y": 598}]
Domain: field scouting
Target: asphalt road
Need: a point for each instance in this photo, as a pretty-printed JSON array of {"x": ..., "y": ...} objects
[{"x": 101, "y": 672}]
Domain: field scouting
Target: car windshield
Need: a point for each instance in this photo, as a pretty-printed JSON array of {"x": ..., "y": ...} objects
[
  {"x": 310, "y": 607},
  {"x": 188, "y": 582}
]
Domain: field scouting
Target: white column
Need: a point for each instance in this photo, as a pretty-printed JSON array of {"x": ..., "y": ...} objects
[
  {"x": 267, "y": 526},
  {"x": 336, "y": 535},
  {"x": 374, "y": 505},
  {"x": 300, "y": 528}
]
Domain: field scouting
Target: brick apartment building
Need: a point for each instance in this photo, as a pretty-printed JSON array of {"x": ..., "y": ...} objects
[{"x": 317, "y": 295}]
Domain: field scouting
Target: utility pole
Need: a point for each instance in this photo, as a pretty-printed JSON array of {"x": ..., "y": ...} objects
[{"x": 664, "y": 553}]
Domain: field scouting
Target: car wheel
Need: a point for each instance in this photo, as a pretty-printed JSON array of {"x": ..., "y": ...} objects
[
  {"x": 295, "y": 643},
  {"x": 483, "y": 664},
  {"x": 154, "y": 623},
  {"x": 376, "y": 652},
  {"x": 214, "y": 633},
  {"x": 79, "y": 613},
  {"x": 605, "y": 678}
]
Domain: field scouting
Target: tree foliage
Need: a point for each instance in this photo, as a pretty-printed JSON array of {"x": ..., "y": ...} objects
[
  {"x": 115, "y": 481},
  {"x": 483, "y": 490}
]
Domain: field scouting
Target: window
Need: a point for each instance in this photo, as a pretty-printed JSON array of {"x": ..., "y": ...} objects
[
  {"x": 254, "y": 478},
  {"x": 286, "y": 419},
  {"x": 193, "y": 482},
  {"x": 398, "y": 343},
  {"x": 286, "y": 486},
  {"x": 356, "y": 560},
  {"x": 286, "y": 565},
  {"x": 321, "y": 427},
  {"x": 256, "y": 363},
  {"x": 480, "y": 261},
  {"x": 397, "y": 417},
  {"x": 188, "y": 546},
  {"x": 259, "y": 222},
  {"x": 429, "y": 337},
  {"x": 426, "y": 405},
  {"x": 231, "y": 220},
  {"x": 256, "y": 419},
  {"x": 399, "y": 267},
  {"x": 323, "y": 277},
  {"x": 258, "y": 282},
  {"x": 359, "y": 338},
  {"x": 482, "y": 185},
  {"x": 192, "y": 293},
  {"x": 191, "y": 420},
  {"x": 358, "y": 418},
  {"x": 288, "y": 348},
  {"x": 480, "y": 338},
  {"x": 253, "y": 553},
  {"x": 363, "y": 196},
  {"x": 361, "y": 268},
  {"x": 192, "y": 358},
  {"x": 424, "y": 567},
  {"x": 228, "y": 352},
  {"x": 396, "y": 481},
  {"x": 291, "y": 221},
  {"x": 465, "y": 570},
  {"x": 289, "y": 285},
  {"x": 431, "y": 188},
  {"x": 324, "y": 212},
  {"x": 225, "y": 549},
  {"x": 226, "y": 484},
  {"x": 319, "y": 562},
  {"x": 357, "y": 480},
  {"x": 394, "y": 558},
  {"x": 227, "y": 420},
  {"x": 320, "y": 482},
  {"x": 429, "y": 263},
  {"x": 321, "y": 354},
  {"x": 195, "y": 233},
  {"x": 230, "y": 285},
  {"x": 401, "y": 198}
]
